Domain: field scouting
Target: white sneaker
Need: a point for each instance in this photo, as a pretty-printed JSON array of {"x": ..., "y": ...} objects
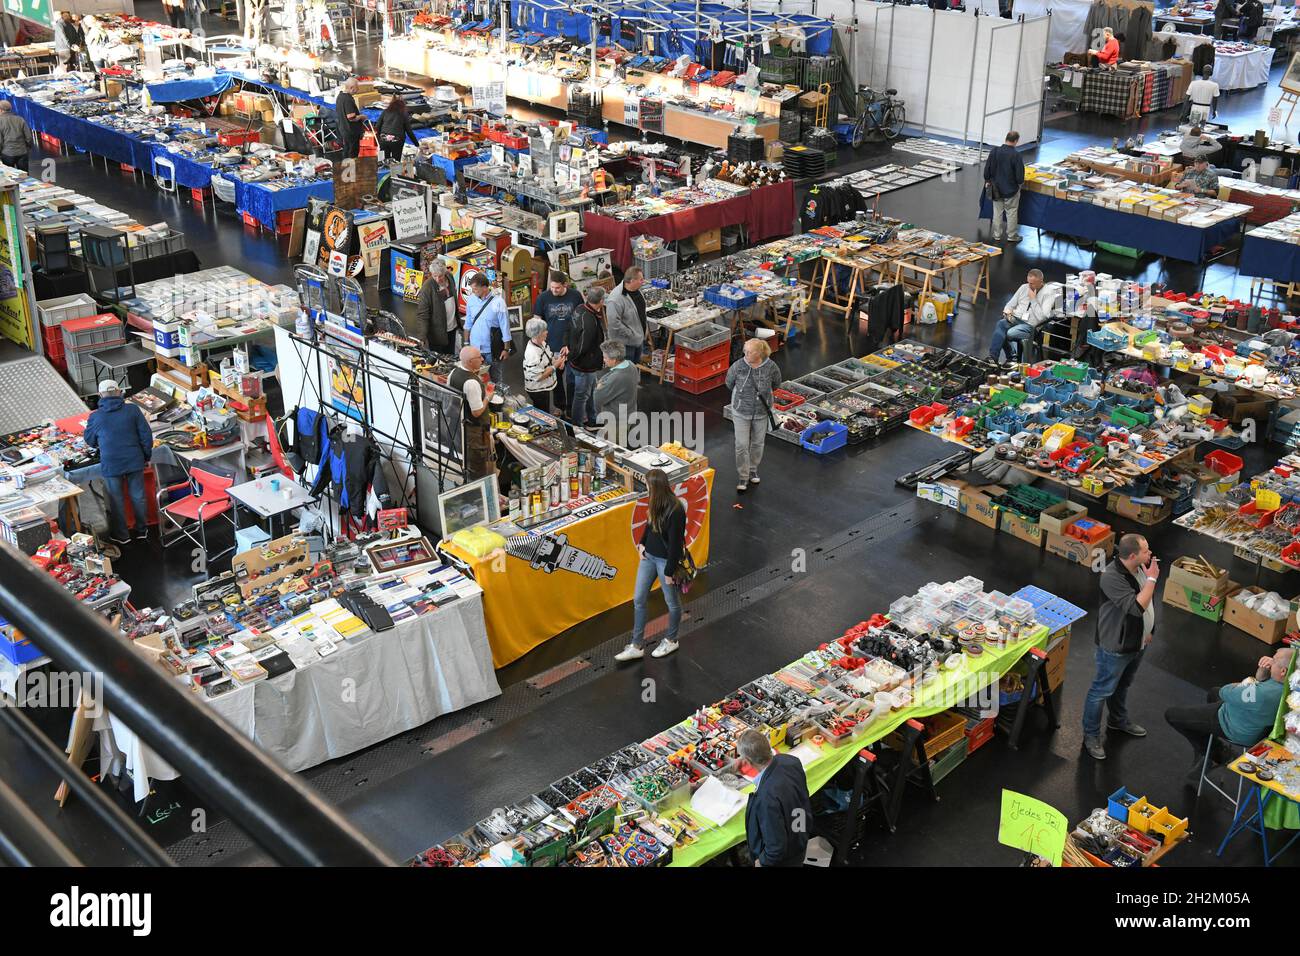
[
  {"x": 754, "y": 480},
  {"x": 742, "y": 487},
  {"x": 664, "y": 648},
  {"x": 630, "y": 653}
]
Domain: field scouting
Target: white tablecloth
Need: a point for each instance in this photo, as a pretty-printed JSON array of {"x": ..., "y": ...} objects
[
  {"x": 375, "y": 687},
  {"x": 1242, "y": 71}
]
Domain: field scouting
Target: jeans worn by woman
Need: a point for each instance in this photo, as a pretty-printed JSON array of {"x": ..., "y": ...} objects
[{"x": 650, "y": 568}]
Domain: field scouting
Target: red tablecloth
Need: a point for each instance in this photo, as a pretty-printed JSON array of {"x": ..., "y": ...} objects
[{"x": 767, "y": 212}]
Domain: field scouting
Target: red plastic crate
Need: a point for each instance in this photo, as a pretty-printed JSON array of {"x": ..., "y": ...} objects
[
  {"x": 199, "y": 195},
  {"x": 1224, "y": 462},
  {"x": 284, "y": 222},
  {"x": 979, "y": 733},
  {"x": 700, "y": 370},
  {"x": 239, "y": 137},
  {"x": 129, "y": 170},
  {"x": 712, "y": 353},
  {"x": 699, "y": 386},
  {"x": 250, "y": 221}
]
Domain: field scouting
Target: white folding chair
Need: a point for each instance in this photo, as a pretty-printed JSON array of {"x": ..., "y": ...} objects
[{"x": 166, "y": 183}]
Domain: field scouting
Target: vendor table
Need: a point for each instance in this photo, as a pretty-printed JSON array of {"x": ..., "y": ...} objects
[
  {"x": 1254, "y": 814},
  {"x": 930, "y": 699},
  {"x": 258, "y": 497},
  {"x": 262, "y": 202},
  {"x": 1269, "y": 259},
  {"x": 1160, "y": 236},
  {"x": 1242, "y": 71},
  {"x": 85, "y": 134},
  {"x": 520, "y": 599},
  {"x": 766, "y": 212},
  {"x": 423, "y": 668},
  {"x": 118, "y": 362}
]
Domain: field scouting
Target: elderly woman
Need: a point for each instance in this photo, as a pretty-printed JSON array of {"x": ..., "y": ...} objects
[
  {"x": 616, "y": 391},
  {"x": 540, "y": 365},
  {"x": 751, "y": 381},
  {"x": 435, "y": 310}
]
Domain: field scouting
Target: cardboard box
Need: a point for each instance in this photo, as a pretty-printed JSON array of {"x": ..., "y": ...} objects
[
  {"x": 1256, "y": 625},
  {"x": 976, "y": 502},
  {"x": 1208, "y": 606},
  {"x": 1060, "y": 516},
  {"x": 945, "y": 493},
  {"x": 1136, "y": 510},
  {"x": 1027, "y": 531},
  {"x": 1239, "y": 404},
  {"x": 1076, "y": 551},
  {"x": 1179, "y": 573},
  {"x": 710, "y": 240},
  {"x": 1056, "y": 661}
]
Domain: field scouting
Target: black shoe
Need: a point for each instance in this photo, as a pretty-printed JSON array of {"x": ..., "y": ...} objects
[
  {"x": 142, "y": 534},
  {"x": 123, "y": 539}
]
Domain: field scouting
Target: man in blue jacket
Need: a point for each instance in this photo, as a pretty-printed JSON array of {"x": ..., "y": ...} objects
[
  {"x": 1004, "y": 174},
  {"x": 485, "y": 314},
  {"x": 119, "y": 431},
  {"x": 778, "y": 817}
]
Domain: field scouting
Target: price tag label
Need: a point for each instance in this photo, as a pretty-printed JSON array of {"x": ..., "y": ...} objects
[
  {"x": 1266, "y": 500},
  {"x": 1274, "y": 116}
]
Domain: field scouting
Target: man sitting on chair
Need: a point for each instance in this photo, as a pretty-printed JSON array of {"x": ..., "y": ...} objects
[
  {"x": 1243, "y": 713},
  {"x": 1200, "y": 180},
  {"x": 1031, "y": 306}
]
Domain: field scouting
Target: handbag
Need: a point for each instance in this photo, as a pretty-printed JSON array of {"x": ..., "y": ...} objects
[{"x": 686, "y": 571}]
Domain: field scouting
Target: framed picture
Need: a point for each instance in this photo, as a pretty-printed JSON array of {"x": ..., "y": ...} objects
[
  {"x": 402, "y": 555},
  {"x": 469, "y": 505},
  {"x": 1291, "y": 79},
  {"x": 516, "y": 318}
]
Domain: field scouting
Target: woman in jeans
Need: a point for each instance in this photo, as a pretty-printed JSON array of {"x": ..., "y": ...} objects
[
  {"x": 751, "y": 381},
  {"x": 661, "y": 552}
]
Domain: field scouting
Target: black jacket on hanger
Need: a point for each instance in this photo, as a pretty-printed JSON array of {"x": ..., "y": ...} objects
[
  {"x": 884, "y": 308},
  {"x": 351, "y": 466}
]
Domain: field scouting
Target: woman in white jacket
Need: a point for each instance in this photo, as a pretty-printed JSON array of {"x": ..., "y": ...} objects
[{"x": 540, "y": 365}]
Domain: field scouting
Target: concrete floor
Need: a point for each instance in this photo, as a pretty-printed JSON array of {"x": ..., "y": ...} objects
[{"x": 426, "y": 785}]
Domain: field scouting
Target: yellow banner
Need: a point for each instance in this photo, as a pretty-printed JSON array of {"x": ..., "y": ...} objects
[
  {"x": 586, "y": 568},
  {"x": 15, "y": 318}
]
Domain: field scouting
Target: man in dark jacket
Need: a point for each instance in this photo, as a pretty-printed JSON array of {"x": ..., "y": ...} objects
[
  {"x": 351, "y": 122},
  {"x": 1250, "y": 19},
  {"x": 556, "y": 305},
  {"x": 1004, "y": 174},
  {"x": 119, "y": 432},
  {"x": 434, "y": 326},
  {"x": 779, "y": 815},
  {"x": 1126, "y": 622},
  {"x": 586, "y": 333}
]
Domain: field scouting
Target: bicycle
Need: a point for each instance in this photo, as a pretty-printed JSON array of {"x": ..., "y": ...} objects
[{"x": 881, "y": 115}]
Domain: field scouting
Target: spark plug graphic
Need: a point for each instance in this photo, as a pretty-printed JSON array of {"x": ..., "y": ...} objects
[{"x": 548, "y": 552}]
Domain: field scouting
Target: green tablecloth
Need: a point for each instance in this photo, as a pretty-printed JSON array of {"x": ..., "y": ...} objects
[{"x": 937, "y": 696}]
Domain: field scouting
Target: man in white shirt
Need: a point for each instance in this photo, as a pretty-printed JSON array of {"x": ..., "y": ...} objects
[
  {"x": 480, "y": 459},
  {"x": 1203, "y": 95},
  {"x": 1029, "y": 308}
]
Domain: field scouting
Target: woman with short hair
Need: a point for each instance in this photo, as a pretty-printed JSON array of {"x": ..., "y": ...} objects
[
  {"x": 751, "y": 381},
  {"x": 540, "y": 365}
]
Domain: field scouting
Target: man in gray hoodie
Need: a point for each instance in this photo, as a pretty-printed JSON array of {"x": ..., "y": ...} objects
[{"x": 625, "y": 314}]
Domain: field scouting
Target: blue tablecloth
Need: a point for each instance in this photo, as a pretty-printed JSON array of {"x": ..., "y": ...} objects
[
  {"x": 177, "y": 91},
  {"x": 189, "y": 174},
  {"x": 85, "y": 134},
  {"x": 450, "y": 166},
  {"x": 1083, "y": 219},
  {"x": 262, "y": 203},
  {"x": 1270, "y": 259}
]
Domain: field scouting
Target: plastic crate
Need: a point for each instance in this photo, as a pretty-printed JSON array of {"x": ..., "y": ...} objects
[
  {"x": 703, "y": 356},
  {"x": 699, "y": 386},
  {"x": 705, "y": 335},
  {"x": 688, "y": 367},
  {"x": 779, "y": 69},
  {"x": 1224, "y": 462},
  {"x": 942, "y": 731},
  {"x": 730, "y": 297},
  {"x": 1117, "y": 804},
  {"x": 17, "y": 650},
  {"x": 838, "y": 437},
  {"x": 54, "y": 312},
  {"x": 948, "y": 761},
  {"x": 821, "y": 69},
  {"x": 93, "y": 332},
  {"x": 657, "y": 266},
  {"x": 979, "y": 732}
]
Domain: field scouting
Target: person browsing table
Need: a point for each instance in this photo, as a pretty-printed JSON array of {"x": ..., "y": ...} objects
[
  {"x": 751, "y": 381},
  {"x": 1200, "y": 180}
]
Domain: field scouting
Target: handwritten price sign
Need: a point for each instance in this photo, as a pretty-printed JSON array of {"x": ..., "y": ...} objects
[{"x": 1031, "y": 825}]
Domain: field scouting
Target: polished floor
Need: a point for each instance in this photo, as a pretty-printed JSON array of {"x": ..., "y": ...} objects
[{"x": 567, "y": 703}]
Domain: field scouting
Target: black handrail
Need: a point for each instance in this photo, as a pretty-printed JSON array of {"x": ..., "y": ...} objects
[
  {"x": 291, "y": 822},
  {"x": 25, "y": 840}
]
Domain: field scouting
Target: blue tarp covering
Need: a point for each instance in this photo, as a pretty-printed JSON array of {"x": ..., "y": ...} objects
[
  {"x": 177, "y": 91},
  {"x": 189, "y": 174},
  {"x": 85, "y": 134},
  {"x": 1083, "y": 219}
]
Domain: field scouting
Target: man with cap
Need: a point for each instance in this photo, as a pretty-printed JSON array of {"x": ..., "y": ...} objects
[{"x": 117, "y": 429}]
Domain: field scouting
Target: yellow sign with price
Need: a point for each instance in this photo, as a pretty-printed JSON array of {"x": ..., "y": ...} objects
[{"x": 1031, "y": 825}]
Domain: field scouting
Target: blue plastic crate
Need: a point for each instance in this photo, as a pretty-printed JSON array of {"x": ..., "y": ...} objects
[
  {"x": 1053, "y": 612},
  {"x": 730, "y": 297},
  {"x": 839, "y": 436},
  {"x": 1116, "y": 808},
  {"x": 17, "y": 651}
]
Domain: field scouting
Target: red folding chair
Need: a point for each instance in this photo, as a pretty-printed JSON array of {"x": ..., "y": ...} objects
[{"x": 208, "y": 499}]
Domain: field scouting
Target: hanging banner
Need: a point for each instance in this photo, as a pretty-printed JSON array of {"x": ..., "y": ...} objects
[{"x": 15, "y": 317}]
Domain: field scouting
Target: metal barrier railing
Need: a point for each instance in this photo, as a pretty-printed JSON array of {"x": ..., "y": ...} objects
[{"x": 281, "y": 814}]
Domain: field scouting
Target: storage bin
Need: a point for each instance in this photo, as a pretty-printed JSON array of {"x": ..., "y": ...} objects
[
  {"x": 948, "y": 761},
  {"x": 658, "y": 266},
  {"x": 1117, "y": 804},
  {"x": 700, "y": 386},
  {"x": 92, "y": 333},
  {"x": 54, "y": 312},
  {"x": 838, "y": 437},
  {"x": 705, "y": 335},
  {"x": 16, "y": 648}
]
